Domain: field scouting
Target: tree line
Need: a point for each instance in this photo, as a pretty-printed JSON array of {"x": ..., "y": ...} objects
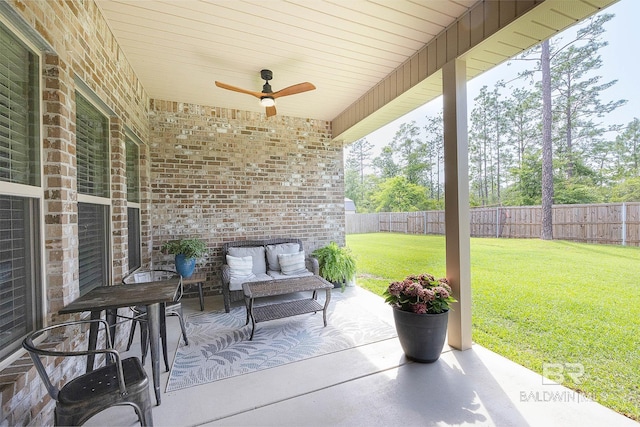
[{"x": 538, "y": 139}]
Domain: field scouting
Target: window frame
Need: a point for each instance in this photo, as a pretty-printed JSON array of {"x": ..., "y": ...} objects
[
  {"x": 33, "y": 194},
  {"x": 139, "y": 240},
  {"x": 91, "y": 98},
  {"x": 132, "y": 204}
]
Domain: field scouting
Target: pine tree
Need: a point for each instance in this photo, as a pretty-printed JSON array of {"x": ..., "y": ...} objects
[
  {"x": 626, "y": 151},
  {"x": 409, "y": 149},
  {"x": 385, "y": 165},
  {"x": 565, "y": 72},
  {"x": 434, "y": 153},
  {"x": 357, "y": 160},
  {"x": 359, "y": 156}
]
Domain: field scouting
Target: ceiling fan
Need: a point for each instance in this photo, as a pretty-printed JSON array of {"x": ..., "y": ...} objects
[{"x": 267, "y": 96}]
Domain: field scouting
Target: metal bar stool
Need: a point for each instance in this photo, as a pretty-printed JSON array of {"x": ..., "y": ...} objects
[{"x": 123, "y": 382}]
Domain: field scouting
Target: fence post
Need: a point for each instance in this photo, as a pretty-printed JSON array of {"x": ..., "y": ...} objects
[
  {"x": 424, "y": 215},
  {"x": 624, "y": 224},
  {"x": 497, "y": 221}
]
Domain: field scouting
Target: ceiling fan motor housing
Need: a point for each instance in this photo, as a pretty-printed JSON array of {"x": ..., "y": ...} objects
[{"x": 266, "y": 75}]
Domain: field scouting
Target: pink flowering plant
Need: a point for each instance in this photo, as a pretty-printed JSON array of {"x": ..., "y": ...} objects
[{"x": 420, "y": 294}]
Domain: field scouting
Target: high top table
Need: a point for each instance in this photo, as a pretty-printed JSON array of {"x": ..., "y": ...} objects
[
  {"x": 153, "y": 295},
  {"x": 279, "y": 310}
]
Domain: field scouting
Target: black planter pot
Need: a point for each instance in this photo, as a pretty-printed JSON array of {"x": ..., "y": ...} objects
[{"x": 421, "y": 335}]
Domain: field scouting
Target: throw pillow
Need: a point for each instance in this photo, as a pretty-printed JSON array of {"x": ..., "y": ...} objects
[
  {"x": 292, "y": 264},
  {"x": 283, "y": 248},
  {"x": 240, "y": 267},
  {"x": 256, "y": 252}
]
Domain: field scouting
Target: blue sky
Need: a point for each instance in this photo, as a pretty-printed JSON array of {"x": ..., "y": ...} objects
[{"x": 620, "y": 61}]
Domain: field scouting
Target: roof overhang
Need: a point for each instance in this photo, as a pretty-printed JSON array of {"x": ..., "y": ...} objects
[
  {"x": 487, "y": 35},
  {"x": 372, "y": 61}
]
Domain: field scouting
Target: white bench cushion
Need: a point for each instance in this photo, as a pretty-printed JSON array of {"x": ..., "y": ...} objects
[
  {"x": 292, "y": 264},
  {"x": 236, "y": 284},
  {"x": 255, "y": 252},
  {"x": 282, "y": 248}
]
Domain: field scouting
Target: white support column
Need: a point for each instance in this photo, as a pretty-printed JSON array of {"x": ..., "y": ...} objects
[{"x": 456, "y": 187}]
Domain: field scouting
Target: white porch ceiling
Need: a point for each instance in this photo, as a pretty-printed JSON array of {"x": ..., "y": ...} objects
[{"x": 178, "y": 48}]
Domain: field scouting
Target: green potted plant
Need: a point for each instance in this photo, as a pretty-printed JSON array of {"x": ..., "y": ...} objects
[
  {"x": 186, "y": 251},
  {"x": 337, "y": 264}
]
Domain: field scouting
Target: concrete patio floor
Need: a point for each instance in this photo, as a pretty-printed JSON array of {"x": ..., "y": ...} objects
[{"x": 372, "y": 385}]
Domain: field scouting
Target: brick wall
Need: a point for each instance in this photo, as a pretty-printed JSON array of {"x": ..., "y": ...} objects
[
  {"x": 223, "y": 175},
  {"x": 78, "y": 50},
  {"x": 213, "y": 173}
]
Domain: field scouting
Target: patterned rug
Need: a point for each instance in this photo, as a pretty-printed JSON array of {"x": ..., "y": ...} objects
[{"x": 219, "y": 345}]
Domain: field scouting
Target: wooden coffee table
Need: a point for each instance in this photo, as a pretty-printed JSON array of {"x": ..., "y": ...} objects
[{"x": 279, "y": 310}]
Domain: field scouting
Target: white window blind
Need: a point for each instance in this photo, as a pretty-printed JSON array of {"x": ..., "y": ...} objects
[
  {"x": 16, "y": 295},
  {"x": 133, "y": 171},
  {"x": 18, "y": 112},
  {"x": 133, "y": 198},
  {"x": 133, "y": 223},
  {"x": 93, "y": 249},
  {"x": 92, "y": 149}
]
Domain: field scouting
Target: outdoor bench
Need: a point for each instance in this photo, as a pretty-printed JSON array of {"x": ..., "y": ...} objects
[{"x": 246, "y": 261}]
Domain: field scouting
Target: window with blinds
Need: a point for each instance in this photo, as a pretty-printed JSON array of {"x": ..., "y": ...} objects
[
  {"x": 19, "y": 110},
  {"x": 133, "y": 199},
  {"x": 20, "y": 260},
  {"x": 18, "y": 299},
  {"x": 133, "y": 171},
  {"x": 133, "y": 223},
  {"x": 92, "y": 149},
  {"x": 93, "y": 249}
]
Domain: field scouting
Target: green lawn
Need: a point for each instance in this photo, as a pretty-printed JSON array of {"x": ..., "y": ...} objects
[{"x": 536, "y": 302}]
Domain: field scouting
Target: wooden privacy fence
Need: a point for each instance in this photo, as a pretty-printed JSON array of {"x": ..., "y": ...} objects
[{"x": 613, "y": 223}]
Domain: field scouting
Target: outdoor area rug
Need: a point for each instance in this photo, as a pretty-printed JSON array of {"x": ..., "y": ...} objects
[{"x": 219, "y": 345}]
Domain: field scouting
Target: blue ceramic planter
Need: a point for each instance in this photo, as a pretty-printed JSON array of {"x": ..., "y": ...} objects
[{"x": 185, "y": 266}]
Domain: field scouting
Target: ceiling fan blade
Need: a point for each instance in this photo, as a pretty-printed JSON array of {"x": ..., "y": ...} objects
[
  {"x": 292, "y": 90},
  {"x": 239, "y": 89},
  {"x": 271, "y": 111}
]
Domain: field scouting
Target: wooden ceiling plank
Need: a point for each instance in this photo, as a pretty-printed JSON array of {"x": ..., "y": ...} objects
[
  {"x": 350, "y": 10},
  {"x": 344, "y": 29},
  {"x": 184, "y": 27}
]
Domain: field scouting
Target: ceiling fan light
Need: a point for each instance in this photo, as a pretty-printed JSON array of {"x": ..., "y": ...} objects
[{"x": 267, "y": 101}]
